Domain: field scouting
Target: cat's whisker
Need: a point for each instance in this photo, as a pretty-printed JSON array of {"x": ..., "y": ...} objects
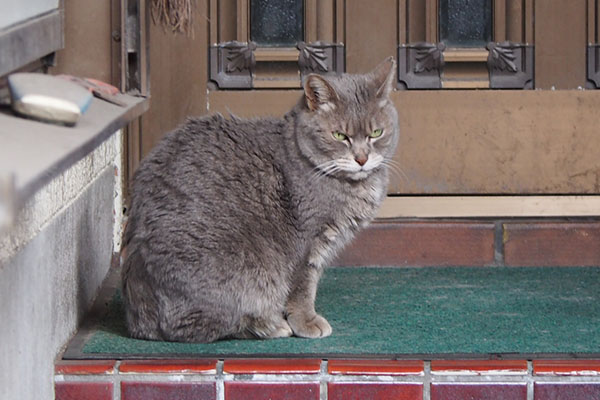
[
  {"x": 396, "y": 170},
  {"x": 400, "y": 173},
  {"x": 317, "y": 173},
  {"x": 346, "y": 164},
  {"x": 394, "y": 167},
  {"x": 326, "y": 164},
  {"x": 330, "y": 167},
  {"x": 390, "y": 161},
  {"x": 330, "y": 171},
  {"x": 323, "y": 171}
]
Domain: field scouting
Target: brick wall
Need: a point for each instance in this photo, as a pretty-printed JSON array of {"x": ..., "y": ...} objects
[{"x": 516, "y": 242}]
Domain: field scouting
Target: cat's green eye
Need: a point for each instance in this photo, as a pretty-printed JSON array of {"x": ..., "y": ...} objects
[
  {"x": 376, "y": 133},
  {"x": 339, "y": 136}
]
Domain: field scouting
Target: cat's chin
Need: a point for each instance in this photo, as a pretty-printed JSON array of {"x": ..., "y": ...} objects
[{"x": 359, "y": 176}]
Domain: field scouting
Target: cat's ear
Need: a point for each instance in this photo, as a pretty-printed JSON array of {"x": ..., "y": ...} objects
[
  {"x": 319, "y": 94},
  {"x": 383, "y": 77}
]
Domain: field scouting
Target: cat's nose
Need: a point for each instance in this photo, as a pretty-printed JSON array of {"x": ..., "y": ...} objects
[{"x": 361, "y": 159}]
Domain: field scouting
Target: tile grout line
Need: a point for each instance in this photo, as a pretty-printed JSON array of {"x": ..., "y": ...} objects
[
  {"x": 426, "y": 380},
  {"x": 117, "y": 381},
  {"x": 530, "y": 380},
  {"x": 323, "y": 379},
  {"x": 219, "y": 381}
]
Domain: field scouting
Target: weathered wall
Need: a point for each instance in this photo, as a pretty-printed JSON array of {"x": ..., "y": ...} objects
[{"x": 51, "y": 265}]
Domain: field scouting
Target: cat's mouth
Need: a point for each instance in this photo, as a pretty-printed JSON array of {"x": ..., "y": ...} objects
[
  {"x": 360, "y": 175},
  {"x": 358, "y": 172},
  {"x": 349, "y": 168}
]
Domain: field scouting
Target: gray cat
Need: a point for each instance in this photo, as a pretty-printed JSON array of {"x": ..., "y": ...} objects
[{"x": 232, "y": 220}]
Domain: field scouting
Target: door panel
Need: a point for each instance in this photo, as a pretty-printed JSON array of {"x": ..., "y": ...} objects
[
  {"x": 453, "y": 141},
  {"x": 247, "y": 103},
  {"x": 560, "y": 42},
  {"x": 476, "y": 142},
  {"x": 498, "y": 142},
  {"x": 370, "y": 33}
]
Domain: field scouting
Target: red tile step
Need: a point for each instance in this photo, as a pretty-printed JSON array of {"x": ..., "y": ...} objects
[
  {"x": 169, "y": 366},
  {"x": 375, "y": 367},
  {"x": 462, "y": 391},
  {"x": 567, "y": 391},
  {"x": 567, "y": 367},
  {"x": 295, "y": 379},
  {"x": 272, "y": 390},
  {"x": 84, "y": 367},
  {"x": 479, "y": 367},
  {"x": 374, "y": 390},
  {"x": 168, "y": 390},
  {"x": 83, "y": 390},
  {"x": 563, "y": 385},
  {"x": 272, "y": 366}
]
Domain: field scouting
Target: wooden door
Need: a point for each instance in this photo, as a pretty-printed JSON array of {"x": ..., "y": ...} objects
[{"x": 501, "y": 123}]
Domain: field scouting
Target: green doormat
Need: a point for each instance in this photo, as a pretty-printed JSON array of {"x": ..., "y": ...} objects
[{"x": 410, "y": 312}]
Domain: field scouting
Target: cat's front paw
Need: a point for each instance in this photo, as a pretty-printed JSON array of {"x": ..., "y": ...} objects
[{"x": 307, "y": 326}]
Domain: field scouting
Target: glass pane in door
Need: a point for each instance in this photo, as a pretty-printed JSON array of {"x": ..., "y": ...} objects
[
  {"x": 465, "y": 23},
  {"x": 276, "y": 23}
]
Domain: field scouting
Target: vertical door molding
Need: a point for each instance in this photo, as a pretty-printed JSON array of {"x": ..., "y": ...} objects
[
  {"x": 243, "y": 20},
  {"x": 511, "y": 54},
  {"x": 560, "y": 39},
  {"x": 593, "y": 47},
  {"x": 420, "y": 57},
  {"x": 135, "y": 40}
]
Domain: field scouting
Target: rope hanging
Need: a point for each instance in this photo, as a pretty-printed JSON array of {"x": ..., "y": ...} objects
[{"x": 173, "y": 14}]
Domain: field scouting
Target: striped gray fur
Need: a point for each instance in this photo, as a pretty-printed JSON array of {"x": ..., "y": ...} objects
[{"x": 232, "y": 220}]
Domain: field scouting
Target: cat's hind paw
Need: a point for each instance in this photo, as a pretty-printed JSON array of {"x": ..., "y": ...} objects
[
  {"x": 268, "y": 329},
  {"x": 309, "y": 326},
  {"x": 281, "y": 332}
]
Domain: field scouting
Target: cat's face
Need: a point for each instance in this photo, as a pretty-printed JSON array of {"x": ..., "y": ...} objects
[{"x": 349, "y": 127}]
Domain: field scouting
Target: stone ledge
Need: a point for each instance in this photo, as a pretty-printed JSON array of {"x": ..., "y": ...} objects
[
  {"x": 58, "y": 194},
  {"x": 33, "y": 154}
]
